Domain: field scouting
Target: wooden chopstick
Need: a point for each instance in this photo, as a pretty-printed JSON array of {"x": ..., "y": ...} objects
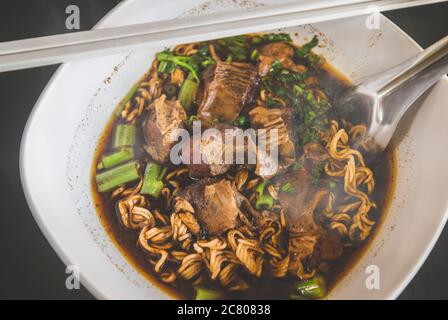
[{"x": 35, "y": 52}]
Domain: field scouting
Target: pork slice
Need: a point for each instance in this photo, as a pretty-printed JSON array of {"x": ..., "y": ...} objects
[
  {"x": 279, "y": 119},
  {"x": 281, "y": 52},
  {"x": 212, "y": 150},
  {"x": 229, "y": 86},
  {"x": 215, "y": 203},
  {"x": 163, "y": 118}
]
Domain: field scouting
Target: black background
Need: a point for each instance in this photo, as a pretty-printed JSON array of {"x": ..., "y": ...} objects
[{"x": 29, "y": 268}]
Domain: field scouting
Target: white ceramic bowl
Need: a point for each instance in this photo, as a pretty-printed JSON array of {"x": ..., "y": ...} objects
[{"x": 63, "y": 129}]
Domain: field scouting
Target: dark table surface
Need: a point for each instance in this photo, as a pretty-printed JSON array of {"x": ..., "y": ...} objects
[{"x": 29, "y": 268}]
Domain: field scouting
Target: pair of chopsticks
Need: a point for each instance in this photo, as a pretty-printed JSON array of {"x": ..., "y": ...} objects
[{"x": 41, "y": 51}]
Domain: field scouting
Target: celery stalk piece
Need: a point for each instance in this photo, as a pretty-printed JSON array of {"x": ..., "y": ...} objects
[
  {"x": 152, "y": 180},
  {"x": 125, "y": 136},
  {"x": 117, "y": 176},
  {"x": 187, "y": 92},
  {"x": 114, "y": 159}
]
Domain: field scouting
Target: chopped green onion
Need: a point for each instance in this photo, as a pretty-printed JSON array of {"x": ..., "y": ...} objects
[
  {"x": 234, "y": 48},
  {"x": 188, "y": 91},
  {"x": 207, "y": 62},
  {"x": 116, "y": 158},
  {"x": 276, "y": 37},
  {"x": 257, "y": 40},
  {"x": 124, "y": 136},
  {"x": 126, "y": 98},
  {"x": 263, "y": 200},
  {"x": 259, "y": 190},
  {"x": 314, "y": 288},
  {"x": 166, "y": 67},
  {"x": 298, "y": 89},
  {"x": 332, "y": 185},
  {"x": 271, "y": 37},
  {"x": 208, "y": 294},
  {"x": 276, "y": 64},
  {"x": 170, "y": 90},
  {"x": 309, "y": 96},
  {"x": 240, "y": 121},
  {"x": 117, "y": 176},
  {"x": 152, "y": 180},
  {"x": 254, "y": 54}
]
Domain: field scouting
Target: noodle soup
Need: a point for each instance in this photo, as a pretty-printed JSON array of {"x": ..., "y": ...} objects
[{"x": 218, "y": 230}]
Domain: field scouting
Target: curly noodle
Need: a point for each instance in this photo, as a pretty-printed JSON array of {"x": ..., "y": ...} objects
[{"x": 352, "y": 217}]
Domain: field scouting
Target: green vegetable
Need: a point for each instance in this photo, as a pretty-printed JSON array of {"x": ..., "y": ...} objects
[
  {"x": 305, "y": 50},
  {"x": 116, "y": 158},
  {"x": 271, "y": 37},
  {"x": 263, "y": 200},
  {"x": 241, "y": 121},
  {"x": 254, "y": 54},
  {"x": 125, "y": 136},
  {"x": 287, "y": 187},
  {"x": 314, "y": 288},
  {"x": 188, "y": 91},
  {"x": 290, "y": 86},
  {"x": 271, "y": 103},
  {"x": 298, "y": 89},
  {"x": 117, "y": 176},
  {"x": 208, "y": 294},
  {"x": 234, "y": 48},
  {"x": 126, "y": 98},
  {"x": 204, "y": 51},
  {"x": 332, "y": 185},
  {"x": 277, "y": 37},
  {"x": 314, "y": 59},
  {"x": 276, "y": 65},
  {"x": 205, "y": 58},
  {"x": 189, "y": 63},
  {"x": 166, "y": 67},
  {"x": 152, "y": 180},
  {"x": 170, "y": 90}
]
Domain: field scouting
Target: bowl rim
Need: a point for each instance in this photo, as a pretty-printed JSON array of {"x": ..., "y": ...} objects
[{"x": 88, "y": 283}]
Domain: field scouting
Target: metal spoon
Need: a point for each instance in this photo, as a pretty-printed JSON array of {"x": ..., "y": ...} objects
[{"x": 385, "y": 97}]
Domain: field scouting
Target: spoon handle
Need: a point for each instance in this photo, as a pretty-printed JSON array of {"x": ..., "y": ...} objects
[{"x": 404, "y": 89}]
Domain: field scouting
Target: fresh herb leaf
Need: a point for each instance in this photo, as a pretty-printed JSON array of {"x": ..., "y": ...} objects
[{"x": 194, "y": 63}]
